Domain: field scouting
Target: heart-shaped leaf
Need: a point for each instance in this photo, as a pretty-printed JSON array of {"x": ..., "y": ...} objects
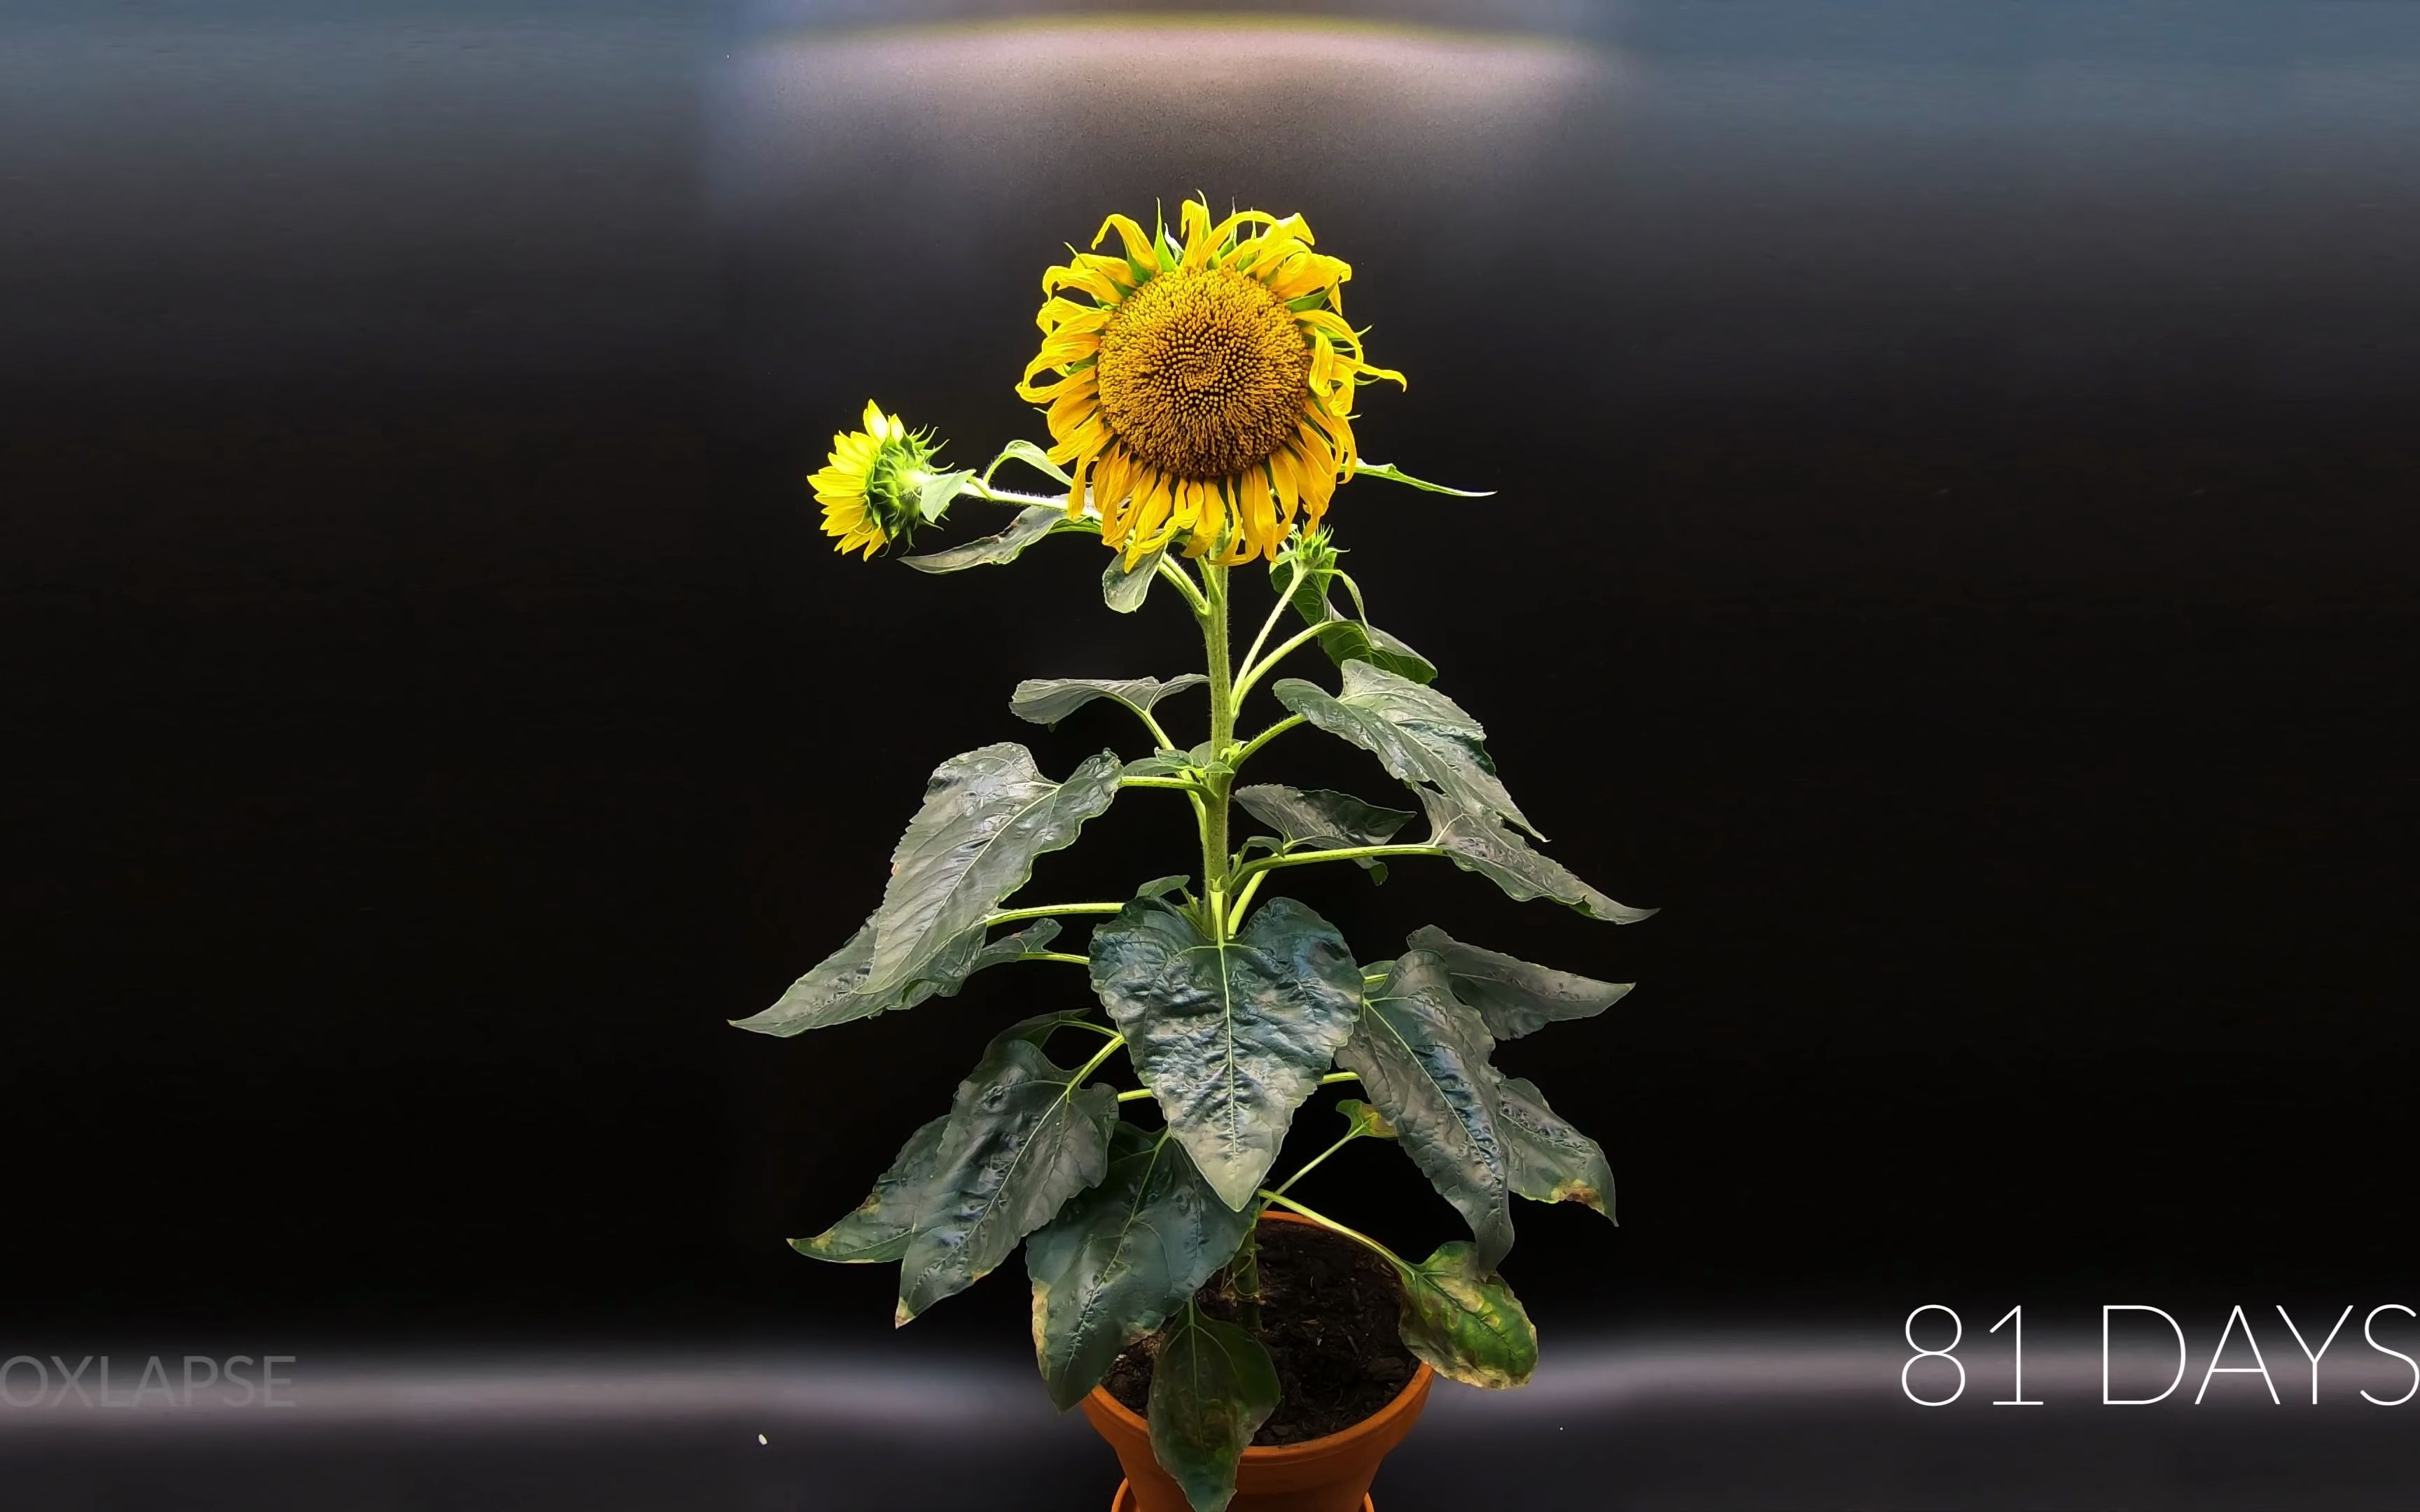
[
  {"x": 1048, "y": 699},
  {"x": 1020, "y": 1138},
  {"x": 830, "y": 993},
  {"x": 1515, "y": 996},
  {"x": 1423, "y": 1058},
  {"x": 1229, "y": 1036},
  {"x": 1120, "y": 1258},
  {"x": 1478, "y": 843},
  {"x": 1417, "y": 734},
  {"x": 1212, "y": 1386},
  {"x": 1466, "y": 1322},
  {"x": 986, "y": 816}
]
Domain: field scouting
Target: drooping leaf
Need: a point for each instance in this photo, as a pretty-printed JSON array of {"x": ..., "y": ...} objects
[
  {"x": 1350, "y": 640},
  {"x": 1033, "y": 456},
  {"x": 1466, "y": 1322},
  {"x": 941, "y": 490},
  {"x": 1365, "y": 1119},
  {"x": 986, "y": 816},
  {"x": 1320, "y": 818},
  {"x": 1343, "y": 637},
  {"x": 1048, "y": 699},
  {"x": 881, "y": 1227},
  {"x": 1551, "y": 1161},
  {"x": 1478, "y": 843},
  {"x": 1423, "y": 1058},
  {"x": 1031, "y": 525},
  {"x": 1395, "y": 474},
  {"x": 1125, "y": 591},
  {"x": 1417, "y": 734},
  {"x": 1515, "y": 996},
  {"x": 1020, "y": 1139},
  {"x": 830, "y": 994},
  {"x": 1229, "y": 1037},
  {"x": 1162, "y": 886},
  {"x": 1160, "y": 764},
  {"x": 1120, "y": 1258},
  {"x": 1212, "y": 1386}
]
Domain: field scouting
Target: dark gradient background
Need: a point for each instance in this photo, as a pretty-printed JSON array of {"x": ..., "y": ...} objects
[{"x": 1953, "y": 553}]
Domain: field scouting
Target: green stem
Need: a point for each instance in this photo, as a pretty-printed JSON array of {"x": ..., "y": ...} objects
[
  {"x": 1326, "y": 1222},
  {"x": 1244, "y": 1276},
  {"x": 1253, "y": 673},
  {"x": 1335, "y": 1076},
  {"x": 1214, "y": 860},
  {"x": 1057, "y": 955},
  {"x": 1184, "y": 581},
  {"x": 1243, "y": 901},
  {"x": 1279, "y": 608},
  {"x": 1265, "y": 737},
  {"x": 1350, "y": 1136},
  {"x": 1013, "y": 915},
  {"x": 1349, "y": 853},
  {"x": 1135, "y": 1095},
  {"x": 1177, "y": 783},
  {"x": 1115, "y": 1041}
]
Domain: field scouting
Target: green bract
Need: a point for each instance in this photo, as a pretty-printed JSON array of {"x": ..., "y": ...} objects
[{"x": 1128, "y": 1137}]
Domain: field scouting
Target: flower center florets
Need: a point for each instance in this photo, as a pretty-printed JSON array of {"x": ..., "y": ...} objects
[{"x": 1203, "y": 372}]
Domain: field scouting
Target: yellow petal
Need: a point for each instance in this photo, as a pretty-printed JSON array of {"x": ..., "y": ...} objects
[
  {"x": 1137, "y": 245},
  {"x": 1194, "y": 217}
]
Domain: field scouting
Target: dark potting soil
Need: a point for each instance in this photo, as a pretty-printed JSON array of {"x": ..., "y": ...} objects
[{"x": 1328, "y": 1316}]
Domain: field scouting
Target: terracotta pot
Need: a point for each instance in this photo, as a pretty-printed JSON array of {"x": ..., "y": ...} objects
[{"x": 1329, "y": 1474}]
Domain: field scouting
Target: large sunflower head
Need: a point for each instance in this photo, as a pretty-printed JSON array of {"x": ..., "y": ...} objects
[
  {"x": 872, "y": 483},
  {"x": 1206, "y": 390}
]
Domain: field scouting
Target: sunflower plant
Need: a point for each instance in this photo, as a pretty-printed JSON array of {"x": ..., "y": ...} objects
[{"x": 1198, "y": 391}]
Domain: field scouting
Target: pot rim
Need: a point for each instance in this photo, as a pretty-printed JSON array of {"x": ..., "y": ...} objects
[{"x": 1283, "y": 1453}]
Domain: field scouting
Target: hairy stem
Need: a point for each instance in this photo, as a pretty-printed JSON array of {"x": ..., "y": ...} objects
[
  {"x": 1349, "y": 853},
  {"x": 1326, "y": 1222},
  {"x": 1265, "y": 737},
  {"x": 1260, "y": 668},
  {"x": 1214, "y": 860},
  {"x": 1045, "y": 910}
]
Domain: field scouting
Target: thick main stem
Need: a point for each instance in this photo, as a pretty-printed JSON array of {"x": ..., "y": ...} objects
[{"x": 1222, "y": 734}]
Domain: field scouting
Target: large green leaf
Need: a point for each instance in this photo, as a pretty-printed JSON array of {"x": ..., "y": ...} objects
[
  {"x": 1515, "y": 996},
  {"x": 1231, "y": 1037},
  {"x": 1031, "y": 525},
  {"x": 1417, "y": 734},
  {"x": 1020, "y": 1139},
  {"x": 1466, "y": 1322},
  {"x": 1422, "y": 1059},
  {"x": 1049, "y": 699},
  {"x": 879, "y": 1229},
  {"x": 986, "y": 815},
  {"x": 830, "y": 994},
  {"x": 1322, "y": 817},
  {"x": 1478, "y": 843},
  {"x": 1550, "y": 1161},
  {"x": 1121, "y": 1258},
  {"x": 1212, "y": 1386}
]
